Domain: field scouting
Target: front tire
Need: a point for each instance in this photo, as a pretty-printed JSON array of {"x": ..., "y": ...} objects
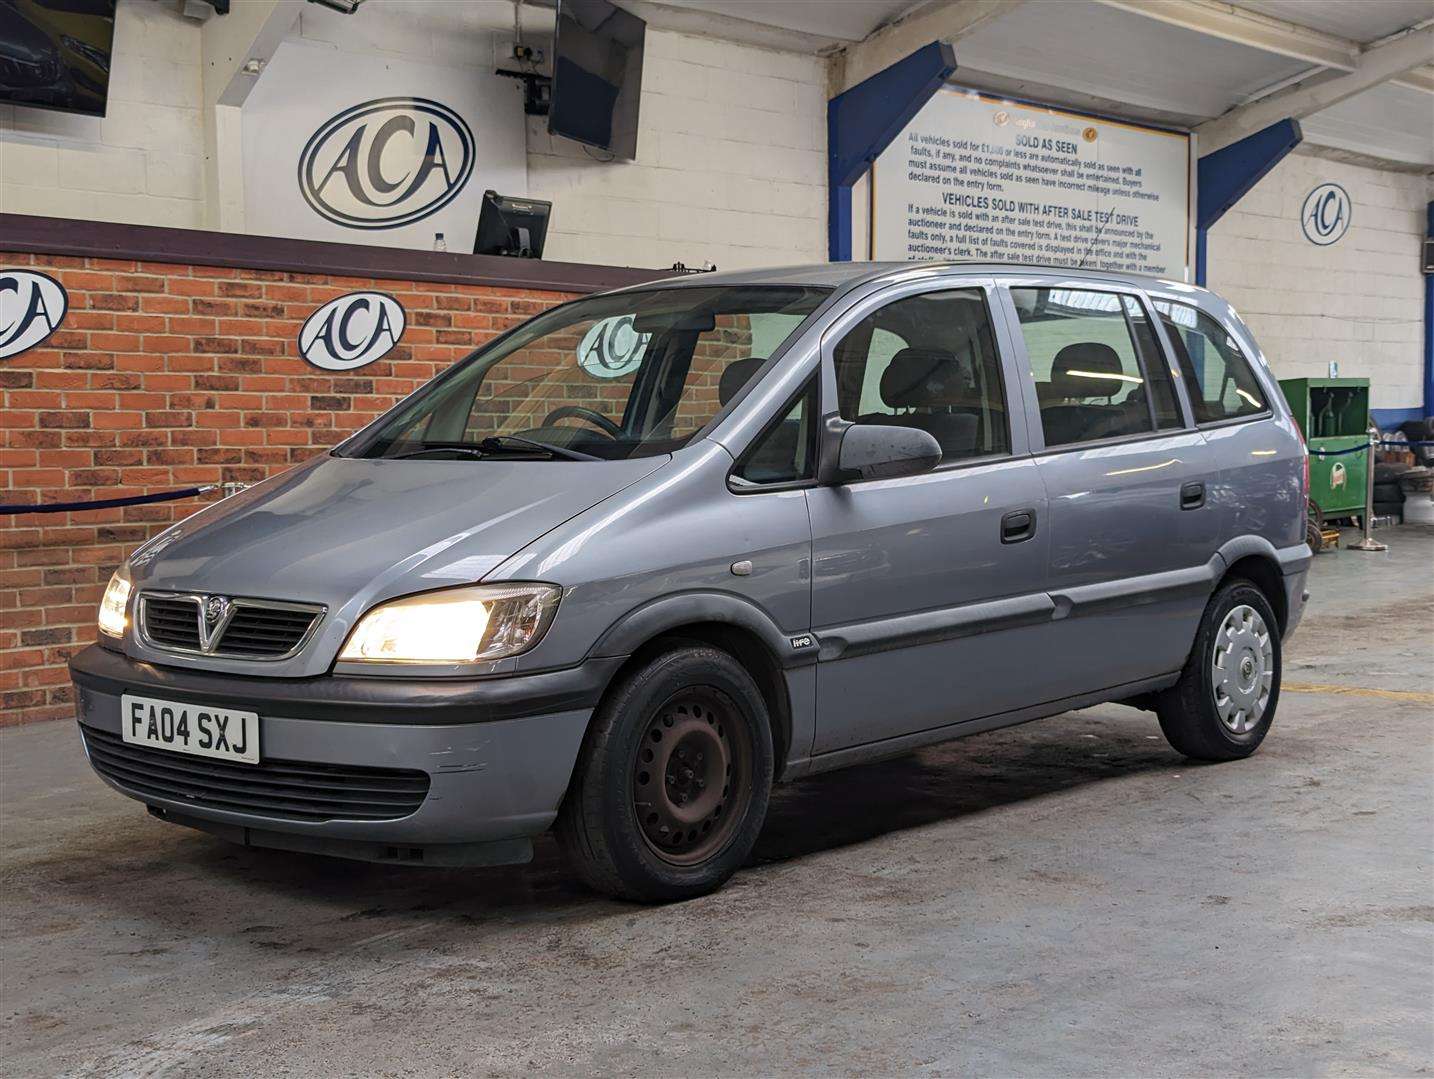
[
  {"x": 1224, "y": 704},
  {"x": 672, "y": 786}
]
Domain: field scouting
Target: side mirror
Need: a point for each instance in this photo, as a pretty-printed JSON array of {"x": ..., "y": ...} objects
[{"x": 877, "y": 452}]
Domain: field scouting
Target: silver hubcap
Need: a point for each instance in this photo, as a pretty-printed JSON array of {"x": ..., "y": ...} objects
[{"x": 1242, "y": 669}]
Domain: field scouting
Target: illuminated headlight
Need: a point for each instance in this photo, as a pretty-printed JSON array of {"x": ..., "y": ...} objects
[
  {"x": 113, "y": 618},
  {"x": 457, "y": 625}
]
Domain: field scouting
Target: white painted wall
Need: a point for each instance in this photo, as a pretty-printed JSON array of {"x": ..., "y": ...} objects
[
  {"x": 142, "y": 162},
  {"x": 731, "y": 164},
  {"x": 1359, "y": 301}
]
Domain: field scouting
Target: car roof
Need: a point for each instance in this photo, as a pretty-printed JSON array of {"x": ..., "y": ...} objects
[{"x": 841, "y": 275}]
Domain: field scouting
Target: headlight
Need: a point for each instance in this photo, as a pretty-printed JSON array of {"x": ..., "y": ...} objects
[
  {"x": 457, "y": 625},
  {"x": 113, "y": 605}
]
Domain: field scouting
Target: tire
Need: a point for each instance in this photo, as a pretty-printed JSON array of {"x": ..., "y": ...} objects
[
  {"x": 1313, "y": 537},
  {"x": 1189, "y": 713},
  {"x": 644, "y": 818},
  {"x": 1388, "y": 492}
]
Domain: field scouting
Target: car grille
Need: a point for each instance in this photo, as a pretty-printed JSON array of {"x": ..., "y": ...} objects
[
  {"x": 291, "y": 790},
  {"x": 258, "y": 629}
]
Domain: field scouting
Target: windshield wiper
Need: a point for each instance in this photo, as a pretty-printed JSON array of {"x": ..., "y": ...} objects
[
  {"x": 501, "y": 442},
  {"x": 472, "y": 451}
]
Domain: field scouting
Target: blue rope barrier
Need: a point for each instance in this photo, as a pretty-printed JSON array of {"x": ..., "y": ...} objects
[
  {"x": 1340, "y": 453},
  {"x": 105, "y": 503}
]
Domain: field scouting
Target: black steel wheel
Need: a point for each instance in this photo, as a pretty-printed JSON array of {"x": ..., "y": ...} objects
[
  {"x": 672, "y": 786},
  {"x": 692, "y": 778}
]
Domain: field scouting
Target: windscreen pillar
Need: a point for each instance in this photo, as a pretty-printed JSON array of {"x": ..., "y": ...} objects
[
  {"x": 1226, "y": 176},
  {"x": 862, "y": 121}
]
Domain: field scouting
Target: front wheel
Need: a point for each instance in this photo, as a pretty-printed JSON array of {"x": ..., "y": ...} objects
[
  {"x": 673, "y": 783},
  {"x": 1223, "y": 705}
]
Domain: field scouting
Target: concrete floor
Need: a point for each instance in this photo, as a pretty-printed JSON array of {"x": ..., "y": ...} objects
[{"x": 1068, "y": 897}]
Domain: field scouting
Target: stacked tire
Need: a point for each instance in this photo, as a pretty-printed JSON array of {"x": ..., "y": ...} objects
[{"x": 1388, "y": 494}]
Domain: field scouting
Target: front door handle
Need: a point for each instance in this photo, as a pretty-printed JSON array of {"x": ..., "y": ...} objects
[
  {"x": 1018, "y": 525},
  {"x": 1192, "y": 496}
]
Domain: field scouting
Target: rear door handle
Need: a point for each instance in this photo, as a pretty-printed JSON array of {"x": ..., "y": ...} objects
[
  {"x": 1018, "y": 525},
  {"x": 1192, "y": 496}
]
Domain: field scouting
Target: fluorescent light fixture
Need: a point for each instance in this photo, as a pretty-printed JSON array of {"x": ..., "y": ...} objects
[{"x": 1100, "y": 374}]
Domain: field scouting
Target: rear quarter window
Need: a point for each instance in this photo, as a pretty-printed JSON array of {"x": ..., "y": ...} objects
[{"x": 1217, "y": 374}]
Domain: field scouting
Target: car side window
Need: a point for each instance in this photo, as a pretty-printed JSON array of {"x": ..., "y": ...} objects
[
  {"x": 1217, "y": 374},
  {"x": 1082, "y": 354},
  {"x": 1162, "y": 386},
  {"x": 786, "y": 452},
  {"x": 928, "y": 361}
]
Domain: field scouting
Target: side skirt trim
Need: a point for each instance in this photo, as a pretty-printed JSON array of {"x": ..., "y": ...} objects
[{"x": 896, "y": 747}]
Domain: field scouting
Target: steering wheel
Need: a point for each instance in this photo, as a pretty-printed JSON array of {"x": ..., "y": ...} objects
[{"x": 578, "y": 412}]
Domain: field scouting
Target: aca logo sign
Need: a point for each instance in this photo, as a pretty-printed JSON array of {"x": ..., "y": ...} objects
[
  {"x": 612, "y": 347},
  {"x": 351, "y": 331},
  {"x": 32, "y": 306},
  {"x": 386, "y": 163},
  {"x": 1326, "y": 214}
]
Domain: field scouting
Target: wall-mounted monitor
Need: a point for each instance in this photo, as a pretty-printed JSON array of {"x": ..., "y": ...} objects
[
  {"x": 597, "y": 75},
  {"x": 55, "y": 54}
]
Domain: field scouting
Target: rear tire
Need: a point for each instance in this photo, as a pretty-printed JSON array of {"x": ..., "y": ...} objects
[
  {"x": 1224, "y": 704},
  {"x": 672, "y": 785}
]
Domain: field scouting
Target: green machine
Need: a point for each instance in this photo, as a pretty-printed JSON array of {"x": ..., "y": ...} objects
[{"x": 1333, "y": 414}]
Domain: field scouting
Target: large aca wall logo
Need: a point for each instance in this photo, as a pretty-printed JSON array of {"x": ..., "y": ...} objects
[
  {"x": 1326, "y": 214},
  {"x": 386, "y": 163},
  {"x": 352, "y": 331},
  {"x": 32, "y": 306}
]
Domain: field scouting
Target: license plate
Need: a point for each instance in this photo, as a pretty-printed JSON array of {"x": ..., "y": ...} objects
[{"x": 190, "y": 728}]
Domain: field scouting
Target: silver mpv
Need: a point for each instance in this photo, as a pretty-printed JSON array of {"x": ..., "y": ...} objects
[{"x": 641, "y": 557}]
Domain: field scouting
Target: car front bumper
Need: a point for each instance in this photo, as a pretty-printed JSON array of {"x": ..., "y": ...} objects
[{"x": 498, "y": 754}]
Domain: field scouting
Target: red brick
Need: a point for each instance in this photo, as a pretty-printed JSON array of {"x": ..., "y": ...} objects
[{"x": 169, "y": 376}]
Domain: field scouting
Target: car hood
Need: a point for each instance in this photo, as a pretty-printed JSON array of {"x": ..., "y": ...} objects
[{"x": 348, "y": 533}]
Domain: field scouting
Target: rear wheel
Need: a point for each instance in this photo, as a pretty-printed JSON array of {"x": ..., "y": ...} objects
[
  {"x": 1223, "y": 705},
  {"x": 673, "y": 783},
  {"x": 1314, "y": 526}
]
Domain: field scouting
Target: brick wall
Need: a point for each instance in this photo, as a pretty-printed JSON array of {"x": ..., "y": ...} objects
[{"x": 166, "y": 376}]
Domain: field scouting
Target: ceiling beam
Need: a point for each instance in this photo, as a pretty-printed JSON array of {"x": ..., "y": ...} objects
[
  {"x": 1421, "y": 78},
  {"x": 251, "y": 31},
  {"x": 944, "y": 21},
  {"x": 1381, "y": 64},
  {"x": 1229, "y": 23},
  {"x": 680, "y": 19}
]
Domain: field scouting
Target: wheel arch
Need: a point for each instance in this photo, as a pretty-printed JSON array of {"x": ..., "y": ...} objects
[
  {"x": 731, "y": 623},
  {"x": 1256, "y": 560}
]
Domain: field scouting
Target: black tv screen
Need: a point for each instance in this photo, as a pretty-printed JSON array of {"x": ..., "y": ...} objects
[
  {"x": 55, "y": 54},
  {"x": 597, "y": 75}
]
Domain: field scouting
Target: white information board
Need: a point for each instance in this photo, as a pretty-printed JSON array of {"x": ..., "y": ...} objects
[{"x": 975, "y": 177}]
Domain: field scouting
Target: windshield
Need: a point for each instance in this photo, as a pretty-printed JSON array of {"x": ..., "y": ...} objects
[{"x": 629, "y": 375}]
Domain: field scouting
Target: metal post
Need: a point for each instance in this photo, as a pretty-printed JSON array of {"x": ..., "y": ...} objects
[{"x": 1369, "y": 543}]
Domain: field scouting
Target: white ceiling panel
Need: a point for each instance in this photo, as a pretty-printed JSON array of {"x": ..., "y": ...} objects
[
  {"x": 1357, "y": 20},
  {"x": 1100, "y": 51},
  {"x": 844, "y": 20},
  {"x": 1388, "y": 121}
]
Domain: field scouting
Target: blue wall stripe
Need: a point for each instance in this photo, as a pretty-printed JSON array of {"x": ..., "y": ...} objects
[
  {"x": 1226, "y": 176},
  {"x": 1429, "y": 321},
  {"x": 862, "y": 121}
]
